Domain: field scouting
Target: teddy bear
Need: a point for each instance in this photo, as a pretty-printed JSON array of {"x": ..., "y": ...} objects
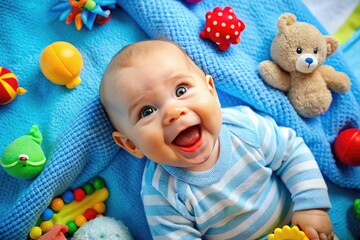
[{"x": 298, "y": 52}]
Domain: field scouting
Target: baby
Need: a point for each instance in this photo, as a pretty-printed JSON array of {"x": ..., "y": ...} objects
[{"x": 210, "y": 172}]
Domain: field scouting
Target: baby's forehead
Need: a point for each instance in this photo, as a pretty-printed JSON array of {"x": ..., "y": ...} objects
[
  {"x": 138, "y": 54},
  {"x": 146, "y": 49}
]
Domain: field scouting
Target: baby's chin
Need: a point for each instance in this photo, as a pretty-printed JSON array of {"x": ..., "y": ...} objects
[{"x": 205, "y": 159}]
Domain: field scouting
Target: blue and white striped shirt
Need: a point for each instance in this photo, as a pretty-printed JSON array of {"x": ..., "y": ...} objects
[{"x": 246, "y": 194}]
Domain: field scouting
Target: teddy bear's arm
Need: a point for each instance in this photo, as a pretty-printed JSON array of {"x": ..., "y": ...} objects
[
  {"x": 274, "y": 75},
  {"x": 336, "y": 81}
]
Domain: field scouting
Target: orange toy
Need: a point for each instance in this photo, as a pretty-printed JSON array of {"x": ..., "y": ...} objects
[
  {"x": 62, "y": 63},
  {"x": 9, "y": 86}
]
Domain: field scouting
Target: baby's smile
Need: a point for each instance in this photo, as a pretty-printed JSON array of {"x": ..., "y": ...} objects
[{"x": 190, "y": 139}]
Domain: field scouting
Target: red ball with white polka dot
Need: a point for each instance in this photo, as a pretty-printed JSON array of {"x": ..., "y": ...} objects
[{"x": 222, "y": 27}]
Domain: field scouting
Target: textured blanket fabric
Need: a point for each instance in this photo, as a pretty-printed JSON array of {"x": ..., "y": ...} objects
[{"x": 77, "y": 135}]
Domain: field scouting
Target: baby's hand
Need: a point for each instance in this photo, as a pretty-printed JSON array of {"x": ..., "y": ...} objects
[{"x": 315, "y": 223}]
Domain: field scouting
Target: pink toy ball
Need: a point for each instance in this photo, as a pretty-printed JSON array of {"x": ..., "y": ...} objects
[
  {"x": 222, "y": 27},
  {"x": 347, "y": 147},
  {"x": 192, "y": 1}
]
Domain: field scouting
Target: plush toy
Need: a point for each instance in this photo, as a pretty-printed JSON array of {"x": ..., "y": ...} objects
[
  {"x": 103, "y": 228},
  {"x": 24, "y": 158},
  {"x": 298, "y": 52},
  {"x": 222, "y": 27}
]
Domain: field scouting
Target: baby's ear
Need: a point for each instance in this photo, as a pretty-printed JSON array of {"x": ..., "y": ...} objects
[
  {"x": 211, "y": 86},
  {"x": 210, "y": 82},
  {"x": 121, "y": 140}
]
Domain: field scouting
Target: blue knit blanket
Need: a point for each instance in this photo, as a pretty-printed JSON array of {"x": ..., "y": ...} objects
[{"x": 77, "y": 135}]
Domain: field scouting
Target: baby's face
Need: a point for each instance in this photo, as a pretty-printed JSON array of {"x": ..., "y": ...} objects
[{"x": 169, "y": 111}]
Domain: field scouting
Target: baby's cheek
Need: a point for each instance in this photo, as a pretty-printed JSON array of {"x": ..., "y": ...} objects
[
  {"x": 152, "y": 142},
  {"x": 212, "y": 114}
]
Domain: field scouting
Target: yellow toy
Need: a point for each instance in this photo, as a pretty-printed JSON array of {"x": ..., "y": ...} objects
[
  {"x": 287, "y": 233},
  {"x": 62, "y": 63}
]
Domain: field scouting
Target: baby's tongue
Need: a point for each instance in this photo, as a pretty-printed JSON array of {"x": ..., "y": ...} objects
[{"x": 188, "y": 137}]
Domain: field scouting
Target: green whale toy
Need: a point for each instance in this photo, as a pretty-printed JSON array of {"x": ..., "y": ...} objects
[{"x": 24, "y": 158}]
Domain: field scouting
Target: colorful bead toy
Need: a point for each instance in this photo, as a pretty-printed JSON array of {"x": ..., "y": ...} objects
[
  {"x": 222, "y": 27},
  {"x": 73, "y": 208},
  {"x": 9, "y": 86}
]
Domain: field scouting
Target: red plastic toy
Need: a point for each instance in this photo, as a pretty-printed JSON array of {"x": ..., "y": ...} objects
[
  {"x": 347, "y": 147},
  {"x": 222, "y": 27},
  {"x": 9, "y": 86}
]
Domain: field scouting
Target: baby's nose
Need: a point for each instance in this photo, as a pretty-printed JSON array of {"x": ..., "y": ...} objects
[{"x": 172, "y": 113}]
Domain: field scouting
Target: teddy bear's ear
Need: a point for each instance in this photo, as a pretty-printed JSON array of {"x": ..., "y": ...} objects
[
  {"x": 285, "y": 20},
  {"x": 331, "y": 45}
]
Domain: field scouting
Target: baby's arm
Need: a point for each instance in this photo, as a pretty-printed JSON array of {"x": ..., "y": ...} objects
[
  {"x": 164, "y": 220},
  {"x": 292, "y": 161}
]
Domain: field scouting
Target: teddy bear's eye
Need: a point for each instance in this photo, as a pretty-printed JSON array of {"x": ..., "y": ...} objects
[
  {"x": 315, "y": 50},
  {"x": 299, "y": 50}
]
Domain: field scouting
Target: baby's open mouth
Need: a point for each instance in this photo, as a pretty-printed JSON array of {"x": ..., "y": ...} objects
[{"x": 189, "y": 139}]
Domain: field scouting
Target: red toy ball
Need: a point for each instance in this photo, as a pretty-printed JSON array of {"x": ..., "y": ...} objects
[
  {"x": 79, "y": 194},
  {"x": 347, "y": 147},
  {"x": 9, "y": 86},
  {"x": 222, "y": 27},
  {"x": 90, "y": 213}
]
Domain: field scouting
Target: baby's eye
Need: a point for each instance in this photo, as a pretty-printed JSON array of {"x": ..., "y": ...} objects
[
  {"x": 146, "y": 111},
  {"x": 299, "y": 50},
  {"x": 181, "y": 90},
  {"x": 315, "y": 50}
]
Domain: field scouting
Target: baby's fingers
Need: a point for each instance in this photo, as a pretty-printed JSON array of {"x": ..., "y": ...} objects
[
  {"x": 312, "y": 234},
  {"x": 331, "y": 236},
  {"x": 324, "y": 237}
]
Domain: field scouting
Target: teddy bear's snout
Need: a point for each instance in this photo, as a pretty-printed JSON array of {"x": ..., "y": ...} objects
[
  {"x": 309, "y": 60},
  {"x": 306, "y": 63}
]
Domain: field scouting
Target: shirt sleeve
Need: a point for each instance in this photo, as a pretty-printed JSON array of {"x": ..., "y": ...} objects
[
  {"x": 166, "y": 216},
  {"x": 290, "y": 159}
]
